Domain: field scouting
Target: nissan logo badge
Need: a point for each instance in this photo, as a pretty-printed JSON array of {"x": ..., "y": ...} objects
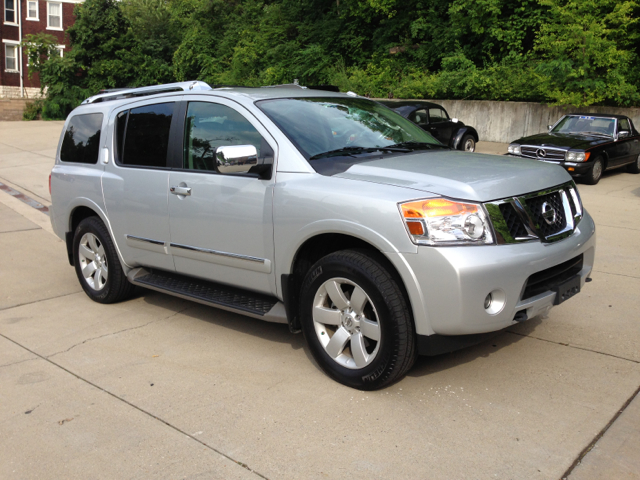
[{"x": 548, "y": 213}]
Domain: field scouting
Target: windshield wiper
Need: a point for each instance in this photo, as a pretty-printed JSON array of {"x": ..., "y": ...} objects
[
  {"x": 357, "y": 150},
  {"x": 594, "y": 133},
  {"x": 418, "y": 145}
]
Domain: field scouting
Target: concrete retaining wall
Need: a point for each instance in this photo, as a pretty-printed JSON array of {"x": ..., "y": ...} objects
[
  {"x": 506, "y": 121},
  {"x": 11, "y": 109}
]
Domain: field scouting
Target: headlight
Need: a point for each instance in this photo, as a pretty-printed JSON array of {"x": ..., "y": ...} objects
[
  {"x": 438, "y": 221},
  {"x": 576, "y": 156},
  {"x": 514, "y": 149}
]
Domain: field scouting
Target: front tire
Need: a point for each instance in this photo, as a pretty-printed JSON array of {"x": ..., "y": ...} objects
[
  {"x": 594, "y": 175},
  {"x": 468, "y": 144},
  {"x": 356, "y": 320},
  {"x": 97, "y": 264},
  {"x": 635, "y": 166}
]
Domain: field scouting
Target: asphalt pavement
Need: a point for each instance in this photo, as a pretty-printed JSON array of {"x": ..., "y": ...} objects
[{"x": 159, "y": 387}]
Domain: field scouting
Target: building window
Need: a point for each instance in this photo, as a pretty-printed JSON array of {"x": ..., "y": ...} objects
[
  {"x": 11, "y": 57},
  {"x": 10, "y": 11},
  {"x": 60, "y": 49},
  {"x": 32, "y": 10},
  {"x": 54, "y": 16}
]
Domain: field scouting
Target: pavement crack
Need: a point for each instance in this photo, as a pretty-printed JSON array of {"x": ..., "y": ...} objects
[
  {"x": 617, "y": 274},
  {"x": 595, "y": 439},
  {"x": 23, "y": 230},
  {"x": 140, "y": 409},
  {"x": 575, "y": 346},
  {"x": 19, "y": 361},
  {"x": 38, "y": 301},
  {"x": 117, "y": 333}
]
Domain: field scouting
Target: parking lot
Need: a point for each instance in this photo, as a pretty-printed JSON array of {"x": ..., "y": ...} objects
[{"x": 159, "y": 387}]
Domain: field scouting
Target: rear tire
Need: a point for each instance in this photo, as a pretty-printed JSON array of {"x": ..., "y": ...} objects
[
  {"x": 595, "y": 174},
  {"x": 468, "y": 144},
  {"x": 356, "y": 320},
  {"x": 635, "y": 166},
  {"x": 97, "y": 264}
]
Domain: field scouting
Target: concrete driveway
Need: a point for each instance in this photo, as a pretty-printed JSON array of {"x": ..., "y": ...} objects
[{"x": 159, "y": 387}]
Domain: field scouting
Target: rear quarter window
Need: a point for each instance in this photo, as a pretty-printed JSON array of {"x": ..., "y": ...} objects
[{"x": 81, "y": 142}]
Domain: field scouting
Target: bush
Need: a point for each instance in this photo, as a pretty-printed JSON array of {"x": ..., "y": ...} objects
[{"x": 32, "y": 110}]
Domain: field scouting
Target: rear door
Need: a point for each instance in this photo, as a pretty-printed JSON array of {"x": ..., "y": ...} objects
[
  {"x": 136, "y": 184},
  {"x": 222, "y": 226}
]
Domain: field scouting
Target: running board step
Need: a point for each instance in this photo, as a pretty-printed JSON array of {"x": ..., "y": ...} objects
[{"x": 233, "y": 299}]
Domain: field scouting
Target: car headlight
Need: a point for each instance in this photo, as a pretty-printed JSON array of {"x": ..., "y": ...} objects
[
  {"x": 438, "y": 221},
  {"x": 514, "y": 148},
  {"x": 576, "y": 156}
]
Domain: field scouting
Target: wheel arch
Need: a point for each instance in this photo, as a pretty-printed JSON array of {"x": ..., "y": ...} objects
[
  {"x": 313, "y": 249},
  {"x": 460, "y": 133}
]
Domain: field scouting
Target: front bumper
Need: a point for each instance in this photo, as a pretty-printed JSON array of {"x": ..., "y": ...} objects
[
  {"x": 453, "y": 282},
  {"x": 573, "y": 168}
]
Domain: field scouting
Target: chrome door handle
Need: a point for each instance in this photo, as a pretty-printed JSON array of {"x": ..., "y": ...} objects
[{"x": 181, "y": 190}]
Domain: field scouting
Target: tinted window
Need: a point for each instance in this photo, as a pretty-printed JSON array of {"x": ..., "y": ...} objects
[
  {"x": 419, "y": 117},
  {"x": 623, "y": 124},
  {"x": 121, "y": 124},
  {"x": 209, "y": 126},
  {"x": 437, "y": 115},
  {"x": 147, "y": 136},
  {"x": 81, "y": 143}
]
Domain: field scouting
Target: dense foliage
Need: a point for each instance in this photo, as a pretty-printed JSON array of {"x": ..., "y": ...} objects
[{"x": 578, "y": 52}]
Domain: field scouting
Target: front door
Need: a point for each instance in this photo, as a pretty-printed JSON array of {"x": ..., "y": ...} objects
[
  {"x": 135, "y": 185},
  {"x": 221, "y": 224},
  {"x": 440, "y": 125}
]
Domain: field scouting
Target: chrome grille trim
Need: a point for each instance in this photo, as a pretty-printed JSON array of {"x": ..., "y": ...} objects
[
  {"x": 529, "y": 211},
  {"x": 536, "y": 151}
]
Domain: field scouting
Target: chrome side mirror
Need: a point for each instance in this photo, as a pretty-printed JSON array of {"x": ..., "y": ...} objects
[
  {"x": 454, "y": 120},
  {"x": 236, "y": 158},
  {"x": 624, "y": 133},
  {"x": 549, "y": 127}
]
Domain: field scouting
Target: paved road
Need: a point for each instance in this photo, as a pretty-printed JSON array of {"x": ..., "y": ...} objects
[{"x": 158, "y": 387}]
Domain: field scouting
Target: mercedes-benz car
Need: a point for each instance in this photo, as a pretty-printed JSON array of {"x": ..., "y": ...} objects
[
  {"x": 585, "y": 144},
  {"x": 323, "y": 211}
]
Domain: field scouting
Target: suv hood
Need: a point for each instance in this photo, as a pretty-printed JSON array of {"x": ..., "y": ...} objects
[
  {"x": 466, "y": 176},
  {"x": 563, "y": 140}
]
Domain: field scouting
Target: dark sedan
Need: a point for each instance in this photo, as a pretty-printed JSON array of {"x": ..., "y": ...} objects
[
  {"x": 585, "y": 145},
  {"x": 435, "y": 120}
]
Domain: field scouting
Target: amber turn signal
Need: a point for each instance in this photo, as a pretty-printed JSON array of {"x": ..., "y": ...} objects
[{"x": 436, "y": 207}]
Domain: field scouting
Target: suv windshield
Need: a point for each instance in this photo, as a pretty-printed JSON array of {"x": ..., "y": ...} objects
[
  {"x": 325, "y": 127},
  {"x": 586, "y": 125}
]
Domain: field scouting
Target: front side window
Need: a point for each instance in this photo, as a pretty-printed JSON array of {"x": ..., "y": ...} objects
[
  {"x": 623, "y": 124},
  {"x": 211, "y": 125},
  {"x": 437, "y": 115},
  {"x": 10, "y": 11},
  {"x": 32, "y": 10},
  {"x": 419, "y": 117},
  {"x": 81, "y": 143},
  {"x": 54, "y": 16},
  {"x": 143, "y": 135},
  {"x": 11, "y": 57}
]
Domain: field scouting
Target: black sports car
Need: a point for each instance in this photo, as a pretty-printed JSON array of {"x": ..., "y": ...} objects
[
  {"x": 585, "y": 144},
  {"x": 435, "y": 120}
]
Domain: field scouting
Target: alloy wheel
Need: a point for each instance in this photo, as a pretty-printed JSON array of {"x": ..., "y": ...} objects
[
  {"x": 93, "y": 261},
  {"x": 346, "y": 323}
]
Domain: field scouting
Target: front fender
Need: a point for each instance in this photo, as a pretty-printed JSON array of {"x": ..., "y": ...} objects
[{"x": 456, "y": 139}]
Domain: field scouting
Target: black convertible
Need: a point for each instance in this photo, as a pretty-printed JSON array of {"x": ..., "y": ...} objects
[
  {"x": 435, "y": 120},
  {"x": 585, "y": 144}
]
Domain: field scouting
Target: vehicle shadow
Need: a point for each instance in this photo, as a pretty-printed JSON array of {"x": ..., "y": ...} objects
[{"x": 428, "y": 365}]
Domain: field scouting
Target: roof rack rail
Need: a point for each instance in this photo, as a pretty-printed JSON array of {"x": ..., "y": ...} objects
[{"x": 118, "y": 94}]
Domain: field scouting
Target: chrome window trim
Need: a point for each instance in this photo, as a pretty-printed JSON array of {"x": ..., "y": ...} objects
[{"x": 217, "y": 252}]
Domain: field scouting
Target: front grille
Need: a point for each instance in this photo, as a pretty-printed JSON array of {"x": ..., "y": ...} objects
[
  {"x": 550, "y": 201},
  {"x": 514, "y": 223},
  {"x": 542, "y": 153},
  {"x": 550, "y": 278},
  {"x": 548, "y": 215}
]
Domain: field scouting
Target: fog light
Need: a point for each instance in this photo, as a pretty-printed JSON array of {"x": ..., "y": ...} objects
[
  {"x": 571, "y": 169},
  {"x": 495, "y": 302},
  {"x": 487, "y": 301}
]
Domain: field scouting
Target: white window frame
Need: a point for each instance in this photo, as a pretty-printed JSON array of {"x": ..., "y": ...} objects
[
  {"x": 60, "y": 49},
  {"x": 15, "y": 13},
  {"x": 37, "y": 17},
  {"x": 16, "y": 49},
  {"x": 49, "y": 27}
]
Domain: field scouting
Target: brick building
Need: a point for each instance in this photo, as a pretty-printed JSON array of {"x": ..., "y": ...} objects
[{"x": 20, "y": 18}]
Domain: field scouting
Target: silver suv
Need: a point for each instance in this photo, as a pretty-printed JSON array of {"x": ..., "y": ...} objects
[{"x": 324, "y": 211}]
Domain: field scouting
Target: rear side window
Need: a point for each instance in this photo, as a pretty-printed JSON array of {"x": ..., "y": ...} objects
[
  {"x": 146, "y": 135},
  {"x": 81, "y": 143}
]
